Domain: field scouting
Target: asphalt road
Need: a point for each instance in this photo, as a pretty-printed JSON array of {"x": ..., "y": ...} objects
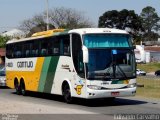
[{"x": 38, "y": 106}]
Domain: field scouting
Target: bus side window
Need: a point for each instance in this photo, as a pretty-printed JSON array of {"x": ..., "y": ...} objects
[
  {"x": 26, "y": 49},
  {"x": 35, "y": 48},
  {"x": 56, "y": 46},
  {"x": 66, "y": 46},
  {"x": 50, "y": 48},
  {"x": 18, "y": 54},
  {"x": 33, "y": 52},
  {"x": 13, "y": 54},
  {"x": 9, "y": 53},
  {"x": 56, "y": 50},
  {"x": 43, "y": 52},
  {"x": 36, "y": 52},
  {"x": 27, "y": 53},
  {"x": 66, "y": 50},
  {"x": 17, "y": 51},
  {"x": 44, "y": 47}
]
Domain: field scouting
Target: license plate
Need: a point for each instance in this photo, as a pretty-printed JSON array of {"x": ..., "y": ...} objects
[{"x": 114, "y": 93}]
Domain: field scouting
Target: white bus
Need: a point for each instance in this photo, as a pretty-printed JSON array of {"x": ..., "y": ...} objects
[{"x": 84, "y": 63}]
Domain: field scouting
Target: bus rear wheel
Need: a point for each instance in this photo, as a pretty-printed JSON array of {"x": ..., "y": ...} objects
[
  {"x": 17, "y": 88},
  {"x": 67, "y": 94},
  {"x": 22, "y": 88}
]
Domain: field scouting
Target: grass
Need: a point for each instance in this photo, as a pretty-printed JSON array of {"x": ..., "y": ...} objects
[
  {"x": 149, "y": 67},
  {"x": 151, "y": 88}
]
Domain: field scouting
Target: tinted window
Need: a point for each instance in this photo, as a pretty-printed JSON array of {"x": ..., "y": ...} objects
[
  {"x": 57, "y": 45},
  {"x": 9, "y": 49},
  {"x": 77, "y": 54},
  {"x": 65, "y": 45}
]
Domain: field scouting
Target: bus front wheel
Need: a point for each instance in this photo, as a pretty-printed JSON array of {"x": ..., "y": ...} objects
[{"x": 67, "y": 93}]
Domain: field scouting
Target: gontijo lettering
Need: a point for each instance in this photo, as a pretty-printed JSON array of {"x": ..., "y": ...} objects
[{"x": 25, "y": 64}]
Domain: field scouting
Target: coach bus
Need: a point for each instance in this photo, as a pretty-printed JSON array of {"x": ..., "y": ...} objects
[{"x": 83, "y": 63}]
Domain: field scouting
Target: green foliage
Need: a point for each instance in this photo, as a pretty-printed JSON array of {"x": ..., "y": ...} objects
[
  {"x": 151, "y": 36},
  {"x": 141, "y": 27},
  {"x": 149, "y": 67},
  {"x": 3, "y": 40},
  {"x": 150, "y": 21},
  {"x": 150, "y": 89},
  {"x": 122, "y": 19}
]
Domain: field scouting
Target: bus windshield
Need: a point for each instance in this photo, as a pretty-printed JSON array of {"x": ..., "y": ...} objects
[
  {"x": 106, "y": 40},
  {"x": 110, "y": 57}
]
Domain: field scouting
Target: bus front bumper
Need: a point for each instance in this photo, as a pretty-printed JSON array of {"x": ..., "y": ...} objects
[
  {"x": 91, "y": 93},
  {"x": 2, "y": 81}
]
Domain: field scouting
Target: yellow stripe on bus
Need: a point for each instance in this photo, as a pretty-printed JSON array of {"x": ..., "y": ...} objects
[{"x": 31, "y": 78}]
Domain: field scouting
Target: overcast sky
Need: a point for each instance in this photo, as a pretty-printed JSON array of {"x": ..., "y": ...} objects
[{"x": 13, "y": 12}]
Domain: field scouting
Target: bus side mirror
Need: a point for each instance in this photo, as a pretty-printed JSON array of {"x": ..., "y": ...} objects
[{"x": 85, "y": 54}]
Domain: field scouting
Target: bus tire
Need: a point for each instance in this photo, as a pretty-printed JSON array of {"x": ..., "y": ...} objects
[
  {"x": 67, "y": 93},
  {"x": 22, "y": 88},
  {"x": 17, "y": 87}
]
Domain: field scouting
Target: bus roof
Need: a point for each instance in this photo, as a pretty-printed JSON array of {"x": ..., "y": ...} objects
[
  {"x": 42, "y": 34},
  {"x": 48, "y": 33},
  {"x": 97, "y": 30},
  {"x": 81, "y": 31}
]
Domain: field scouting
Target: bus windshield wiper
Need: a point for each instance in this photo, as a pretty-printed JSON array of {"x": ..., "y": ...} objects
[{"x": 122, "y": 71}]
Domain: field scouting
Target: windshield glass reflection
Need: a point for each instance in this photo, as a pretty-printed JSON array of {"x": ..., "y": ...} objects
[{"x": 111, "y": 64}]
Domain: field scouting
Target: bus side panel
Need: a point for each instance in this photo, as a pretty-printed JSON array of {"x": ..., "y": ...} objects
[
  {"x": 31, "y": 77},
  {"x": 65, "y": 72},
  {"x": 47, "y": 74},
  {"x": 10, "y": 79}
]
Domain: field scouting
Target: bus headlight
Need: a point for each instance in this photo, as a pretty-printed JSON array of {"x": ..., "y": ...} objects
[
  {"x": 131, "y": 85},
  {"x": 95, "y": 87}
]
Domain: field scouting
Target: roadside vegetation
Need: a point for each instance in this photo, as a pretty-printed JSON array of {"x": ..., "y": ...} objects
[
  {"x": 146, "y": 22},
  {"x": 151, "y": 87},
  {"x": 149, "y": 67},
  {"x": 3, "y": 40}
]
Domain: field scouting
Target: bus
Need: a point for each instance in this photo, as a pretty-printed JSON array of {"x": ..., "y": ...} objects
[{"x": 79, "y": 63}]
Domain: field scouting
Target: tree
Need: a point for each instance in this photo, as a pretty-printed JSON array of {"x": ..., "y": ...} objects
[
  {"x": 35, "y": 24},
  {"x": 69, "y": 18},
  {"x": 3, "y": 40},
  {"x": 66, "y": 18},
  {"x": 124, "y": 19},
  {"x": 150, "y": 21}
]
